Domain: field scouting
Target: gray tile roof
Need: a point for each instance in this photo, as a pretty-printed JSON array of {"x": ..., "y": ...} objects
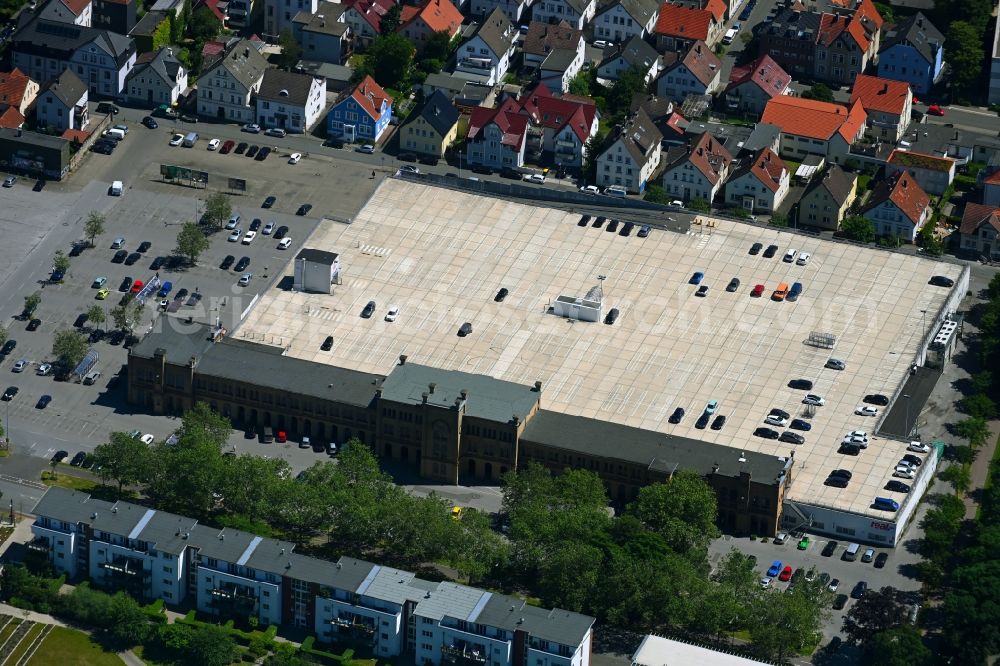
[
  {"x": 451, "y": 600},
  {"x": 326, "y": 20},
  {"x": 244, "y": 63},
  {"x": 163, "y": 62},
  {"x": 918, "y": 32},
  {"x": 635, "y": 52},
  {"x": 763, "y": 135},
  {"x": 55, "y": 39},
  {"x": 389, "y": 584},
  {"x": 224, "y": 544},
  {"x": 438, "y": 112},
  {"x": 275, "y": 556},
  {"x": 837, "y": 182},
  {"x": 286, "y": 87},
  {"x": 647, "y": 447},
  {"x": 67, "y": 88},
  {"x": 497, "y": 32},
  {"x": 166, "y": 532},
  {"x": 640, "y": 10},
  {"x": 121, "y": 518},
  {"x": 344, "y": 574},
  {"x": 638, "y": 134},
  {"x": 69, "y": 505},
  {"x": 556, "y": 625},
  {"x": 264, "y": 365},
  {"x": 558, "y": 60},
  {"x": 180, "y": 342},
  {"x": 487, "y": 398},
  {"x": 544, "y": 37},
  {"x": 148, "y": 23}
]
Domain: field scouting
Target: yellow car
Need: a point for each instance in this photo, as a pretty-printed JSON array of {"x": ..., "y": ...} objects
[
  {"x": 102, "y": 293},
  {"x": 456, "y": 512}
]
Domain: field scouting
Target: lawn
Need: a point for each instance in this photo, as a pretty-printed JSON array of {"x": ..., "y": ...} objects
[
  {"x": 8, "y": 629},
  {"x": 67, "y": 647},
  {"x": 25, "y": 644},
  {"x": 69, "y": 481}
]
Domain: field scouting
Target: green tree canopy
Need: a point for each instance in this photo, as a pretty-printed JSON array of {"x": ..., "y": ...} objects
[
  {"x": 204, "y": 25},
  {"x": 820, "y": 92},
  {"x": 391, "y": 20},
  {"x": 291, "y": 51},
  {"x": 31, "y": 302},
  {"x": 388, "y": 59},
  {"x": 632, "y": 81},
  {"x": 437, "y": 46},
  {"x": 876, "y": 611},
  {"x": 128, "y": 625},
  {"x": 69, "y": 347},
  {"x": 682, "y": 510},
  {"x": 218, "y": 208},
  {"x": 964, "y": 45},
  {"x": 60, "y": 261},
  {"x": 123, "y": 459},
  {"x": 191, "y": 242},
  {"x": 858, "y": 228},
  {"x": 902, "y": 646},
  {"x": 94, "y": 226},
  {"x": 95, "y": 315}
]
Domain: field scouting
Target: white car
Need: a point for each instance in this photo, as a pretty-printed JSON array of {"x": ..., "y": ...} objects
[
  {"x": 117, "y": 188},
  {"x": 765, "y": 582},
  {"x": 19, "y": 366},
  {"x": 245, "y": 279},
  {"x": 590, "y": 189},
  {"x": 857, "y": 434},
  {"x": 918, "y": 447},
  {"x": 176, "y": 139},
  {"x": 284, "y": 243},
  {"x": 776, "y": 420},
  {"x": 813, "y": 399},
  {"x": 790, "y": 255},
  {"x": 534, "y": 178},
  {"x": 866, "y": 410},
  {"x": 214, "y": 144},
  {"x": 235, "y": 234},
  {"x": 233, "y": 222},
  {"x": 253, "y": 128},
  {"x": 803, "y": 259},
  {"x": 147, "y": 439},
  {"x": 44, "y": 369},
  {"x": 294, "y": 158},
  {"x": 392, "y": 313},
  {"x": 409, "y": 168},
  {"x": 677, "y": 203},
  {"x": 903, "y": 471},
  {"x": 368, "y": 149},
  {"x": 249, "y": 237},
  {"x": 268, "y": 228}
]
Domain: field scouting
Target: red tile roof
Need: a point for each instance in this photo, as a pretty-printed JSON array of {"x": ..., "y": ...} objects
[
  {"x": 718, "y": 9},
  {"x": 710, "y": 157},
  {"x": 507, "y": 117},
  {"x": 683, "y": 22},
  {"x": 992, "y": 179},
  {"x": 765, "y": 72},
  {"x": 976, "y": 215},
  {"x": 371, "y": 11},
  {"x": 867, "y": 10},
  {"x": 878, "y": 94},
  {"x": 768, "y": 168},
  {"x": 213, "y": 6},
  {"x": 12, "y": 87},
  {"x": 11, "y": 118},
  {"x": 907, "y": 159},
  {"x": 369, "y": 96},
  {"x": 903, "y": 191},
  {"x": 814, "y": 119},
  {"x": 558, "y": 112},
  {"x": 77, "y": 6},
  {"x": 213, "y": 48},
  {"x": 75, "y": 135},
  {"x": 439, "y": 15}
]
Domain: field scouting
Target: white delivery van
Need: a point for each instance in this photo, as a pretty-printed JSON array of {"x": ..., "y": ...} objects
[
  {"x": 115, "y": 134},
  {"x": 190, "y": 139},
  {"x": 117, "y": 188},
  {"x": 729, "y": 36},
  {"x": 616, "y": 191}
]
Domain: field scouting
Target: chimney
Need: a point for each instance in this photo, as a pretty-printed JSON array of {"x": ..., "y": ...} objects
[
  {"x": 538, "y": 387},
  {"x": 431, "y": 386},
  {"x": 885, "y": 88},
  {"x": 697, "y": 49},
  {"x": 402, "y": 359},
  {"x": 424, "y": 397},
  {"x": 920, "y": 21},
  {"x": 465, "y": 394},
  {"x": 246, "y": 52}
]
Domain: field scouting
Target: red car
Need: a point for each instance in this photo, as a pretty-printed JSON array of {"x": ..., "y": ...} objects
[
  {"x": 757, "y": 291},
  {"x": 935, "y": 110},
  {"x": 137, "y": 286},
  {"x": 227, "y": 146},
  {"x": 281, "y": 436},
  {"x": 786, "y": 574}
]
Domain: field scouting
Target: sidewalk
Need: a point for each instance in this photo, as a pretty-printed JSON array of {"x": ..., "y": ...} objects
[{"x": 980, "y": 471}]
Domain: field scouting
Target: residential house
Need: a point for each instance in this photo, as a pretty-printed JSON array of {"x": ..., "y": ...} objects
[
  {"x": 790, "y": 40},
  {"x": 114, "y": 15},
  {"x": 991, "y": 189},
  {"x": 759, "y": 184},
  {"x": 667, "y": 119},
  {"x": 752, "y": 86},
  {"x": 42, "y": 49},
  {"x": 10, "y": 117},
  {"x": 419, "y": 22},
  {"x": 761, "y": 136},
  {"x": 325, "y": 35},
  {"x": 62, "y": 103},
  {"x": 697, "y": 170},
  {"x": 888, "y": 104},
  {"x": 497, "y": 137},
  {"x": 544, "y": 38},
  {"x": 459, "y": 91},
  {"x": 934, "y": 174},
  {"x": 241, "y": 14},
  {"x": 898, "y": 207},
  {"x": 145, "y": 30},
  {"x": 679, "y": 27},
  {"x": 560, "y": 67},
  {"x": 17, "y": 91},
  {"x": 75, "y": 12},
  {"x": 631, "y": 154},
  {"x": 515, "y": 10},
  {"x": 363, "y": 113},
  {"x": 158, "y": 78},
  {"x": 229, "y": 574},
  {"x": 993, "y": 91},
  {"x": 635, "y": 53},
  {"x": 577, "y": 13},
  {"x": 365, "y": 19},
  {"x": 290, "y": 101},
  {"x": 698, "y": 72},
  {"x": 809, "y": 126},
  {"x": 827, "y": 198},
  {"x": 560, "y": 126},
  {"x": 913, "y": 51},
  {"x": 485, "y": 57},
  {"x": 980, "y": 230},
  {"x": 280, "y": 14},
  {"x": 620, "y": 20},
  {"x": 432, "y": 128},
  {"x": 219, "y": 9},
  {"x": 226, "y": 86}
]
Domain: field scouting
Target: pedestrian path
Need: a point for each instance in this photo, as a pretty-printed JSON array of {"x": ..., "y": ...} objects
[{"x": 980, "y": 471}]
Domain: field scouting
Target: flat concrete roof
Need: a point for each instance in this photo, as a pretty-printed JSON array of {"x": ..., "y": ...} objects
[{"x": 441, "y": 255}]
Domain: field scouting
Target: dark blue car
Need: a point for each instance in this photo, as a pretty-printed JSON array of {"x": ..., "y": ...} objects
[
  {"x": 799, "y": 424},
  {"x": 696, "y": 278}
]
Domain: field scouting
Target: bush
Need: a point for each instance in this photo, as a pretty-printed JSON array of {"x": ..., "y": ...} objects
[
  {"x": 307, "y": 644},
  {"x": 655, "y": 194}
]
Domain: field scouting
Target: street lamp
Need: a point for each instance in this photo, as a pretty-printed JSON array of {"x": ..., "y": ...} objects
[{"x": 906, "y": 396}]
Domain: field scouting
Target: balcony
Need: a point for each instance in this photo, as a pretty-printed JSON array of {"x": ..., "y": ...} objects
[
  {"x": 356, "y": 629},
  {"x": 39, "y": 544},
  {"x": 125, "y": 567},
  {"x": 462, "y": 652},
  {"x": 234, "y": 600}
]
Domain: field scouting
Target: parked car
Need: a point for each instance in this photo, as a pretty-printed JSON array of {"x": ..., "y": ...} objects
[
  {"x": 677, "y": 415},
  {"x": 465, "y": 329},
  {"x": 367, "y": 149},
  {"x": 252, "y": 128},
  {"x": 876, "y": 399}
]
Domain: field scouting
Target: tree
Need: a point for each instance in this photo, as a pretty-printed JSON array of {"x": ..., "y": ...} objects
[
  {"x": 3, "y": 334},
  {"x": 979, "y": 405},
  {"x": 184, "y": 20},
  {"x": 209, "y": 645},
  {"x": 975, "y": 429},
  {"x": 778, "y": 220},
  {"x": 963, "y": 43},
  {"x": 251, "y": 485},
  {"x": 291, "y": 51},
  {"x": 204, "y": 25},
  {"x": 699, "y": 205},
  {"x": 69, "y": 347},
  {"x": 127, "y": 317},
  {"x": 94, "y": 226},
  {"x": 682, "y": 510},
  {"x": 95, "y": 315},
  {"x": 128, "y": 624},
  {"x": 858, "y": 228},
  {"x": 123, "y": 458},
  {"x": 993, "y": 289},
  {"x": 901, "y": 646},
  {"x": 656, "y": 194},
  {"x": 391, "y": 20},
  {"x": 782, "y": 623},
  {"x": 885, "y": 11},
  {"x": 819, "y": 92},
  {"x": 580, "y": 84},
  {"x": 191, "y": 242},
  {"x": 60, "y": 262},
  {"x": 31, "y": 302},
  {"x": 218, "y": 208},
  {"x": 959, "y": 476},
  {"x": 629, "y": 83},
  {"x": 388, "y": 60},
  {"x": 437, "y": 46},
  {"x": 877, "y": 610}
]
